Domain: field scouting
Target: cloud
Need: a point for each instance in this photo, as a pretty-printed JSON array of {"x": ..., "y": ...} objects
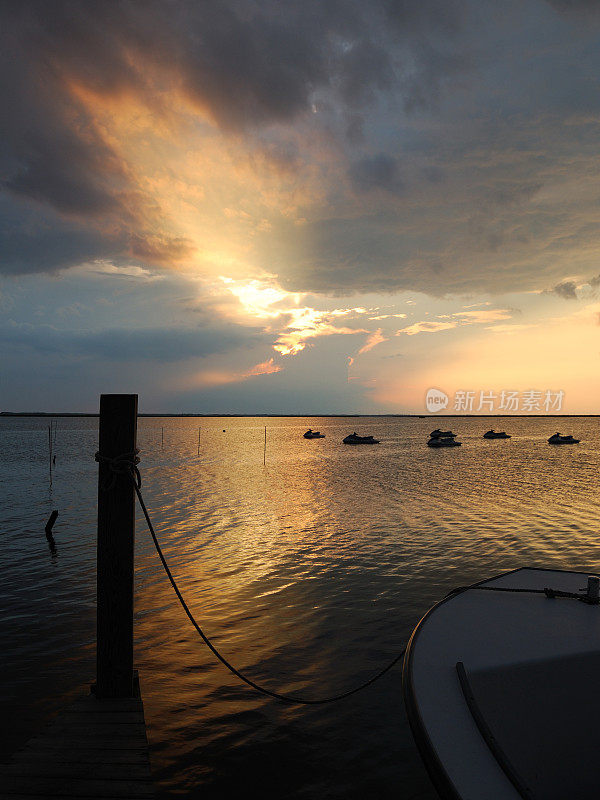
[
  {"x": 483, "y": 316},
  {"x": 459, "y": 319},
  {"x": 307, "y": 324},
  {"x": 123, "y": 345},
  {"x": 325, "y": 130},
  {"x": 265, "y": 368},
  {"x": 567, "y": 290},
  {"x": 577, "y": 6},
  {"x": 373, "y": 339},
  {"x": 388, "y": 316},
  {"x": 222, "y": 377},
  {"x": 160, "y": 249},
  {"x": 70, "y": 70},
  {"x": 427, "y": 326},
  {"x": 293, "y": 324},
  {"x": 376, "y": 172}
]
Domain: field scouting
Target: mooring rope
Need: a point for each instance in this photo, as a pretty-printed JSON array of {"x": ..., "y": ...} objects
[
  {"x": 550, "y": 593},
  {"x": 126, "y": 464}
]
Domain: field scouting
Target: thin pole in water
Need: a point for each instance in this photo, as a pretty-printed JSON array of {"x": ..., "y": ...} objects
[
  {"x": 50, "y": 450},
  {"x": 265, "y": 448},
  {"x": 162, "y": 438},
  {"x": 198, "y": 441}
]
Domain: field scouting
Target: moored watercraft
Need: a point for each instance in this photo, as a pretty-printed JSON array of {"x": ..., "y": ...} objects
[
  {"x": 440, "y": 438},
  {"x": 310, "y": 434},
  {"x": 492, "y": 434},
  {"x": 437, "y": 433},
  {"x": 443, "y": 441},
  {"x": 354, "y": 438},
  {"x": 556, "y": 438},
  {"x": 500, "y": 686}
]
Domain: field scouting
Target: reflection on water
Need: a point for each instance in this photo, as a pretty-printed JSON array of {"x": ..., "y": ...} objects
[{"x": 309, "y": 573}]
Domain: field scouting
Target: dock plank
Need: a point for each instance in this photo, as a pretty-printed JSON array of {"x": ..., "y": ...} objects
[
  {"x": 74, "y": 769},
  {"x": 74, "y": 787},
  {"x": 129, "y": 730},
  {"x": 95, "y": 749},
  {"x": 102, "y": 717},
  {"x": 32, "y": 755}
]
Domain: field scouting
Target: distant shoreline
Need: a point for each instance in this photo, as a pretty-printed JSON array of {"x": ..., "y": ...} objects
[{"x": 9, "y": 414}]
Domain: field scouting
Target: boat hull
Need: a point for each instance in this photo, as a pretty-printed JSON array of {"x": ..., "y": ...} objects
[{"x": 505, "y": 640}]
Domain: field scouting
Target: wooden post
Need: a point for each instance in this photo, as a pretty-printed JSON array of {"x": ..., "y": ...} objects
[
  {"x": 265, "y": 448},
  {"x": 116, "y": 528},
  {"x": 51, "y": 521}
]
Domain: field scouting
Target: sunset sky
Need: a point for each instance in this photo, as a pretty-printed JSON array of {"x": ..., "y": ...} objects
[{"x": 247, "y": 206}]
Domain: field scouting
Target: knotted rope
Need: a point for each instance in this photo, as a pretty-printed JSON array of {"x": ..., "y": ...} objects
[{"x": 125, "y": 464}]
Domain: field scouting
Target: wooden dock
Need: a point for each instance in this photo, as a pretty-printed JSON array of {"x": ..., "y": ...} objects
[{"x": 95, "y": 748}]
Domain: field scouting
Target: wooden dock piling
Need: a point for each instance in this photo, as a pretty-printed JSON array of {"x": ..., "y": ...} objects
[{"x": 116, "y": 533}]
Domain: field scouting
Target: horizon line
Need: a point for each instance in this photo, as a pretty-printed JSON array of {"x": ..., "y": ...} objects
[{"x": 280, "y": 415}]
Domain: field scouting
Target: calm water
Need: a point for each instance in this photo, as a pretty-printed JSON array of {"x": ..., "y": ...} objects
[{"x": 309, "y": 573}]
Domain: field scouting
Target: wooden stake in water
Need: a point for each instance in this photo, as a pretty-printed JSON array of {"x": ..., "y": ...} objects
[
  {"x": 50, "y": 450},
  {"x": 265, "y": 448},
  {"x": 198, "y": 441},
  {"x": 162, "y": 438}
]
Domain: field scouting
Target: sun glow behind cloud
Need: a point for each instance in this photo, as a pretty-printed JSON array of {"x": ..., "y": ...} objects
[{"x": 295, "y": 325}]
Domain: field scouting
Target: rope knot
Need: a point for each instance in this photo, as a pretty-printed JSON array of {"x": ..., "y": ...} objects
[{"x": 124, "y": 464}]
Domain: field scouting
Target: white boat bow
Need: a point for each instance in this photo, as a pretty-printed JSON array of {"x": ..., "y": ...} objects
[{"x": 502, "y": 690}]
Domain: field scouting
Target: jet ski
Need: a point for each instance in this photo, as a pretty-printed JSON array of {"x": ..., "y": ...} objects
[
  {"x": 558, "y": 439},
  {"x": 310, "y": 434},
  {"x": 354, "y": 438}
]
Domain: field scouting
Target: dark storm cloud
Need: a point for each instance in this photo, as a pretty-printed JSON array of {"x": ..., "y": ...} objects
[
  {"x": 51, "y": 150},
  {"x": 249, "y": 64},
  {"x": 145, "y": 344},
  {"x": 498, "y": 100},
  {"x": 160, "y": 249},
  {"x": 575, "y": 5},
  {"x": 376, "y": 172},
  {"x": 567, "y": 290},
  {"x": 32, "y": 242}
]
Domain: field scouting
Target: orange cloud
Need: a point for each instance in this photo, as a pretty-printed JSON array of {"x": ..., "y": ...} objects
[
  {"x": 219, "y": 377},
  {"x": 265, "y": 368},
  {"x": 426, "y": 326},
  {"x": 373, "y": 339}
]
